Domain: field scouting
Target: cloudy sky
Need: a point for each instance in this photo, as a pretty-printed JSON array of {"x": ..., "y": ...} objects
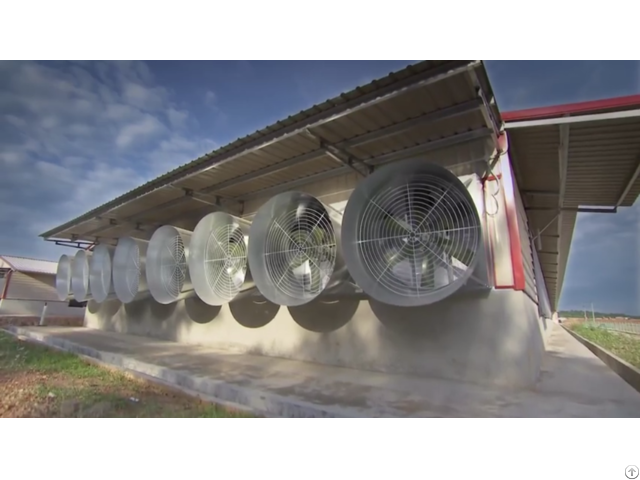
[{"x": 74, "y": 135}]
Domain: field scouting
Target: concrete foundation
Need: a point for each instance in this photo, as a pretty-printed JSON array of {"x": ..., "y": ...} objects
[{"x": 495, "y": 337}]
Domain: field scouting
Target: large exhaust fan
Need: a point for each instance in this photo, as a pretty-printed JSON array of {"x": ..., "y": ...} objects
[
  {"x": 167, "y": 269},
  {"x": 63, "y": 278},
  {"x": 100, "y": 270},
  {"x": 294, "y": 250},
  {"x": 129, "y": 277},
  {"x": 218, "y": 258},
  {"x": 411, "y": 234},
  {"x": 80, "y": 276}
]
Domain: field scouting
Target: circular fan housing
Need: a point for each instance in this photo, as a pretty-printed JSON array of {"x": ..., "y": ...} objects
[
  {"x": 63, "y": 278},
  {"x": 128, "y": 274},
  {"x": 293, "y": 248},
  {"x": 80, "y": 276},
  {"x": 218, "y": 258},
  {"x": 411, "y": 234},
  {"x": 100, "y": 273},
  {"x": 167, "y": 269}
]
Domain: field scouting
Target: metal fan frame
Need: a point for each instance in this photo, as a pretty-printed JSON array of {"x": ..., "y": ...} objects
[
  {"x": 167, "y": 274},
  {"x": 128, "y": 271},
  {"x": 381, "y": 183},
  {"x": 214, "y": 232},
  {"x": 262, "y": 260},
  {"x": 80, "y": 276},
  {"x": 100, "y": 271},
  {"x": 63, "y": 277}
]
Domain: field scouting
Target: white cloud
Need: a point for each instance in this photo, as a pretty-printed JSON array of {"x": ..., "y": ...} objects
[
  {"x": 139, "y": 131},
  {"x": 75, "y": 135},
  {"x": 177, "y": 118},
  {"x": 210, "y": 98}
]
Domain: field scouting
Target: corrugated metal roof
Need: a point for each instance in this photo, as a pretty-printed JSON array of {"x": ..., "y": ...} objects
[
  {"x": 30, "y": 265},
  {"x": 427, "y": 105},
  {"x": 602, "y": 169}
]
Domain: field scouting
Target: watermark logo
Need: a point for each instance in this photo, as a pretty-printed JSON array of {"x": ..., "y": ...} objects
[{"x": 632, "y": 472}]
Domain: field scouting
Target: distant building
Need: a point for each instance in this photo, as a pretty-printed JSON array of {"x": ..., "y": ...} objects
[{"x": 26, "y": 284}]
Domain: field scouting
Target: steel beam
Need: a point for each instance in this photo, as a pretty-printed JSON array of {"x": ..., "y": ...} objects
[
  {"x": 629, "y": 185},
  {"x": 360, "y": 140},
  {"x": 375, "y": 161}
]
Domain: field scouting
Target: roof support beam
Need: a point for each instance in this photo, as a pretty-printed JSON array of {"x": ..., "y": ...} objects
[
  {"x": 360, "y": 140},
  {"x": 139, "y": 218},
  {"x": 563, "y": 165},
  {"x": 375, "y": 161},
  {"x": 629, "y": 185},
  {"x": 540, "y": 193},
  {"x": 337, "y": 154},
  {"x": 487, "y": 110},
  {"x": 572, "y": 209}
]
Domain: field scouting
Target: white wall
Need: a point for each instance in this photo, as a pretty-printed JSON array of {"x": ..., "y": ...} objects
[
  {"x": 27, "y": 294},
  {"x": 491, "y": 339},
  {"x": 33, "y": 308}
]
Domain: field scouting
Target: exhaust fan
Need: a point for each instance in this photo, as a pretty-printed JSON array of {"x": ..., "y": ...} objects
[
  {"x": 293, "y": 250},
  {"x": 411, "y": 234},
  {"x": 63, "y": 278},
  {"x": 129, "y": 280},
  {"x": 167, "y": 265},
  {"x": 80, "y": 276},
  {"x": 218, "y": 258},
  {"x": 100, "y": 267}
]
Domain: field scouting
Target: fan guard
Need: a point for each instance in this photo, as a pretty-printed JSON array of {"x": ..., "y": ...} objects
[
  {"x": 80, "y": 276},
  {"x": 129, "y": 280},
  {"x": 63, "y": 278},
  {"x": 218, "y": 258},
  {"x": 100, "y": 267},
  {"x": 294, "y": 249},
  {"x": 411, "y": 234},
  {"x": 167, "y": 269}
]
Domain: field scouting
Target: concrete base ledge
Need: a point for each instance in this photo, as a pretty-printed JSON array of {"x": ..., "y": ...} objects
[
  {"x": 625, "y": 370},
  {"x": 258, "y": 402}
]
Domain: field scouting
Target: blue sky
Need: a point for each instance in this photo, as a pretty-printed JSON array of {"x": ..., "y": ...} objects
[{"x": 73, "y": 135}]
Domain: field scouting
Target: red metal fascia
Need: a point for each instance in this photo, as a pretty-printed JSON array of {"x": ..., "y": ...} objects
[{"x": 571, "y": 109}]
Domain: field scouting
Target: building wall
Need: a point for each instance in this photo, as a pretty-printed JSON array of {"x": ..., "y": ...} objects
[
  {"x": 33, "y": 308},
  {"x": 491, "y": 337},
  {"x": 485, "y": 338},
  {"x": 27, "y": 294}
]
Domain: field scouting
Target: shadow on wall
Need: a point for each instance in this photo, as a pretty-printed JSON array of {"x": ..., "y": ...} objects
[
  {"x": 199, "y": 311},
  {"x": 324, "y": 316},
  {"x": 253, "y": 312}
]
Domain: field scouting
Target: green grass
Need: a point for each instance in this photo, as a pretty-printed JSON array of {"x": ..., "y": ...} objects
[
  {"x": 38, "y": 381},
  {"x": 625, "y": 346}
]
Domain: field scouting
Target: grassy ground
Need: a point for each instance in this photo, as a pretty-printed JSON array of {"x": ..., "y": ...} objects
[
  {"x": 622, "y": 345},
  {"x": 36, "y": 381}
]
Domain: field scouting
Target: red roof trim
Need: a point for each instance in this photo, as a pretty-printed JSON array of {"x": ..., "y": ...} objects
[{"x": 572, "y": 108}]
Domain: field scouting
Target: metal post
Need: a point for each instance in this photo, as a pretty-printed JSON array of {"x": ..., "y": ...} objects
[{"x": 43, "y": 314}]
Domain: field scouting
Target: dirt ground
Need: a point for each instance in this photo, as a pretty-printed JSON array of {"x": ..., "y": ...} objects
[{"x": 36, "y": 381}]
